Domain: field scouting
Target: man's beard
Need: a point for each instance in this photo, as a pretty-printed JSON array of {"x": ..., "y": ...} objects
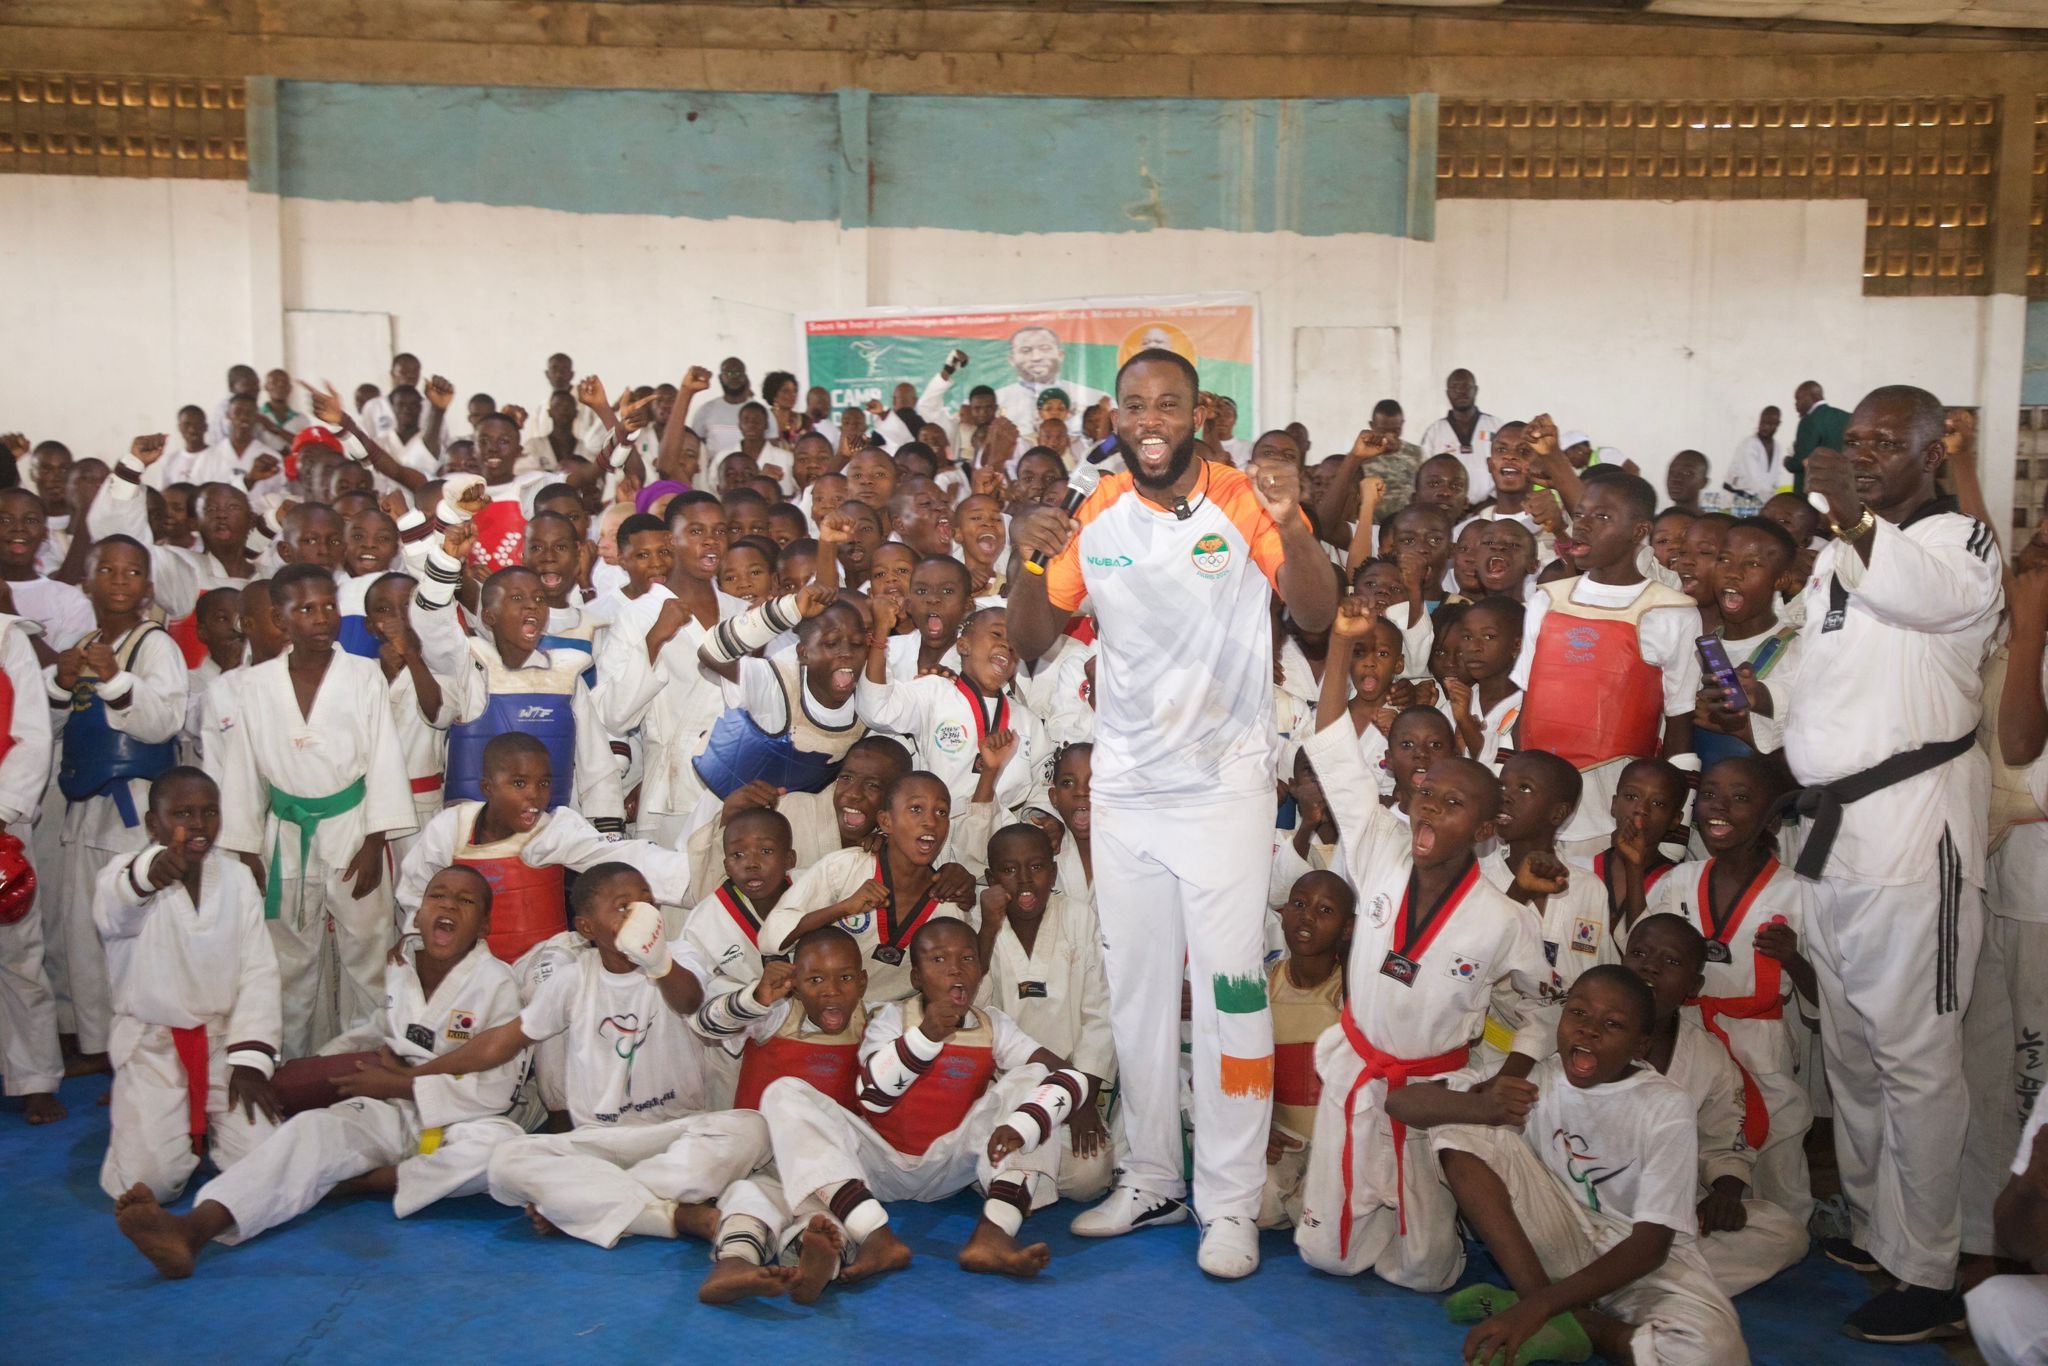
[{"x": 1183, "y": 456}]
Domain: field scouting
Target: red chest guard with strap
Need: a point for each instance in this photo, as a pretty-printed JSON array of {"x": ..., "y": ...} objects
[
  {"x": 830, "y": 1068},
  {"x": 1592, "y": 697},
  {"x": 938, "y": 1101},
  {"x": 527, "y": 904}
]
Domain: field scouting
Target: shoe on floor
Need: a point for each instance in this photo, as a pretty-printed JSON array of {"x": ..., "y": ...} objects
[
  {"x": 1848, "y": 1254},
  {"x": 1908, "y": 1313},
  {"x": 1230, "y": 1248},
  {"x": 1126, "y": 1210}
]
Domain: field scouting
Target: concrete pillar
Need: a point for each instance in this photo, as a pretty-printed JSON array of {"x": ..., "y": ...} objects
[{"x": 2002, "y": 340}]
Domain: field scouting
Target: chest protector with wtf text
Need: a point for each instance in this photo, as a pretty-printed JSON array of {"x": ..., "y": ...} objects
[{"x": 536, "y": 702}]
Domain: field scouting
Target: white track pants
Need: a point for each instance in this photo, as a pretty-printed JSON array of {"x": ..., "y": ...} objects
[
  {"x": 593, "y": 1182},
  {"x": 1182, "y": 894},
  {"x": 1747, "y": 1257},
  {"x": 1895, "y": 966},
  {"x": 317, "y": 1150}
]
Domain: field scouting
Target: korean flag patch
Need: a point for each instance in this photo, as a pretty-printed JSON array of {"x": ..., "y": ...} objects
[
  {"x": 1586, "y": 936},
  {"x": 1464, "y": 969},
  {"x": 461, "y": 1025}
]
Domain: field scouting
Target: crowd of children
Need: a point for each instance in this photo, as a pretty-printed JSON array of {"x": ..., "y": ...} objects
[{"x": 673, "y": 814}]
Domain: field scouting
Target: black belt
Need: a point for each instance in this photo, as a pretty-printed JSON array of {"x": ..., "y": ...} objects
[{"x": 1822, "y": 804}]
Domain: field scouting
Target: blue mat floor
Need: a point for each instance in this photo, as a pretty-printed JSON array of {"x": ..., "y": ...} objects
[{"x": 467, "y": 1281}]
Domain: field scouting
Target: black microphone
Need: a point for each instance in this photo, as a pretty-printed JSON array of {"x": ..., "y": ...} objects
[{"x": 1080, "y": 484}]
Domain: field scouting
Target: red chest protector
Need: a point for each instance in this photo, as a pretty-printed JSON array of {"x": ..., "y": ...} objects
[
  {"x": 526, "y": 903},
  {"x": 828, "y": 1064},
  {"x": 185, "y": 631},
  {"x": 1592, "y": 697},
  {"x": 937, "y": 1102}
]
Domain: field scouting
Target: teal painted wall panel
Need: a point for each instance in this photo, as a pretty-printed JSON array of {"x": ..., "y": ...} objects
[
  {"x": 2034, "y": 380},
  {"x": 1020, "y": 164},
  {"x": 999, "y": 164},
  {"x": 679, "y": 153}
]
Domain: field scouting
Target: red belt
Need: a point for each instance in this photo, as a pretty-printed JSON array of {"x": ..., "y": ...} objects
[
  {"x": 422, "y": 786},
  {"x": 1398, "y": 1072},
  {"x": 1756, "y": 1117},
  {"x": 191, "y": 1049}
]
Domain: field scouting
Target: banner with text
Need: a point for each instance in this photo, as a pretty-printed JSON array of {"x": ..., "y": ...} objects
[{"x": 1022, "y": 350}]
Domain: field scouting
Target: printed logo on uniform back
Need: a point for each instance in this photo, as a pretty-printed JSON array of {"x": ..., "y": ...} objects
[{"x": 1211, "y": 556}]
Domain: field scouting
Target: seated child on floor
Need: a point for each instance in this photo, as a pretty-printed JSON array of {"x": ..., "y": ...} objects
[
  {"x": 1745, "y": 1239},
  {"x": 1044, "y": 955},
  {"x": 415, "y": 1139},
  {"x": 642, "y": 1158},
  {"x": 951, "y": 1095},
  {"x": 1581, "y": 1180},
  {"x": 196, "y": 1017}
]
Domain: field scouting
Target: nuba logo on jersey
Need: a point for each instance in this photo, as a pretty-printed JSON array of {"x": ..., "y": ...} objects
[
  {"x": 1211, "y": 556},
  {"x": 1110, "y": 561},
  {"x": 950, "y": 737}
]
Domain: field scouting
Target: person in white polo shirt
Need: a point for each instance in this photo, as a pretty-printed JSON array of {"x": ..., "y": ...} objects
[{"x": 1179, "y": 559}]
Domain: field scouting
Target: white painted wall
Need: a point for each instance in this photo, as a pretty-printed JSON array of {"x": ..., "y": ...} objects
[
  {"x": 1657, "y": 327},
  {"x": 1652, "y": 326},
  {"x": 124, "y": 300}
]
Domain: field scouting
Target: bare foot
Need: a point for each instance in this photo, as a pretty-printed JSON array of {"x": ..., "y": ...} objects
[
  {"x": 819, "y": 1261},
  {"x": 991, "y": 1251},
  {"x": 87, "y": 1065},
  {"x": 43, "y": 1108},
  {"x": 732, "y": 1279},
  {"x": 697, "y": 1221},
  {"x": 541, "y": 1223},
  {"x": 158, "y": 1234},
  {"x": 883, "y": 1252}
]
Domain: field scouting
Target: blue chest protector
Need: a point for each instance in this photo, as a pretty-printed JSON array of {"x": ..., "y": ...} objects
[
  {"x": 546, "y": 716},
  {"x": 552, "y": 643},
  {"x": 100, "y": 760},
  {"x": 356, "y": 638},
  {"x": 738, "y": 752}
]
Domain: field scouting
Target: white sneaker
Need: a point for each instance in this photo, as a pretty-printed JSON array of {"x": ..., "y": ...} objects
[
  {"x": 1230, "y": 1248},
  {"x": 1126, "y": 1210}
]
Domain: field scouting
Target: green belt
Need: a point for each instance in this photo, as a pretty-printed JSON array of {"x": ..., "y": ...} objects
[{"x": 306, "y": 813}]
